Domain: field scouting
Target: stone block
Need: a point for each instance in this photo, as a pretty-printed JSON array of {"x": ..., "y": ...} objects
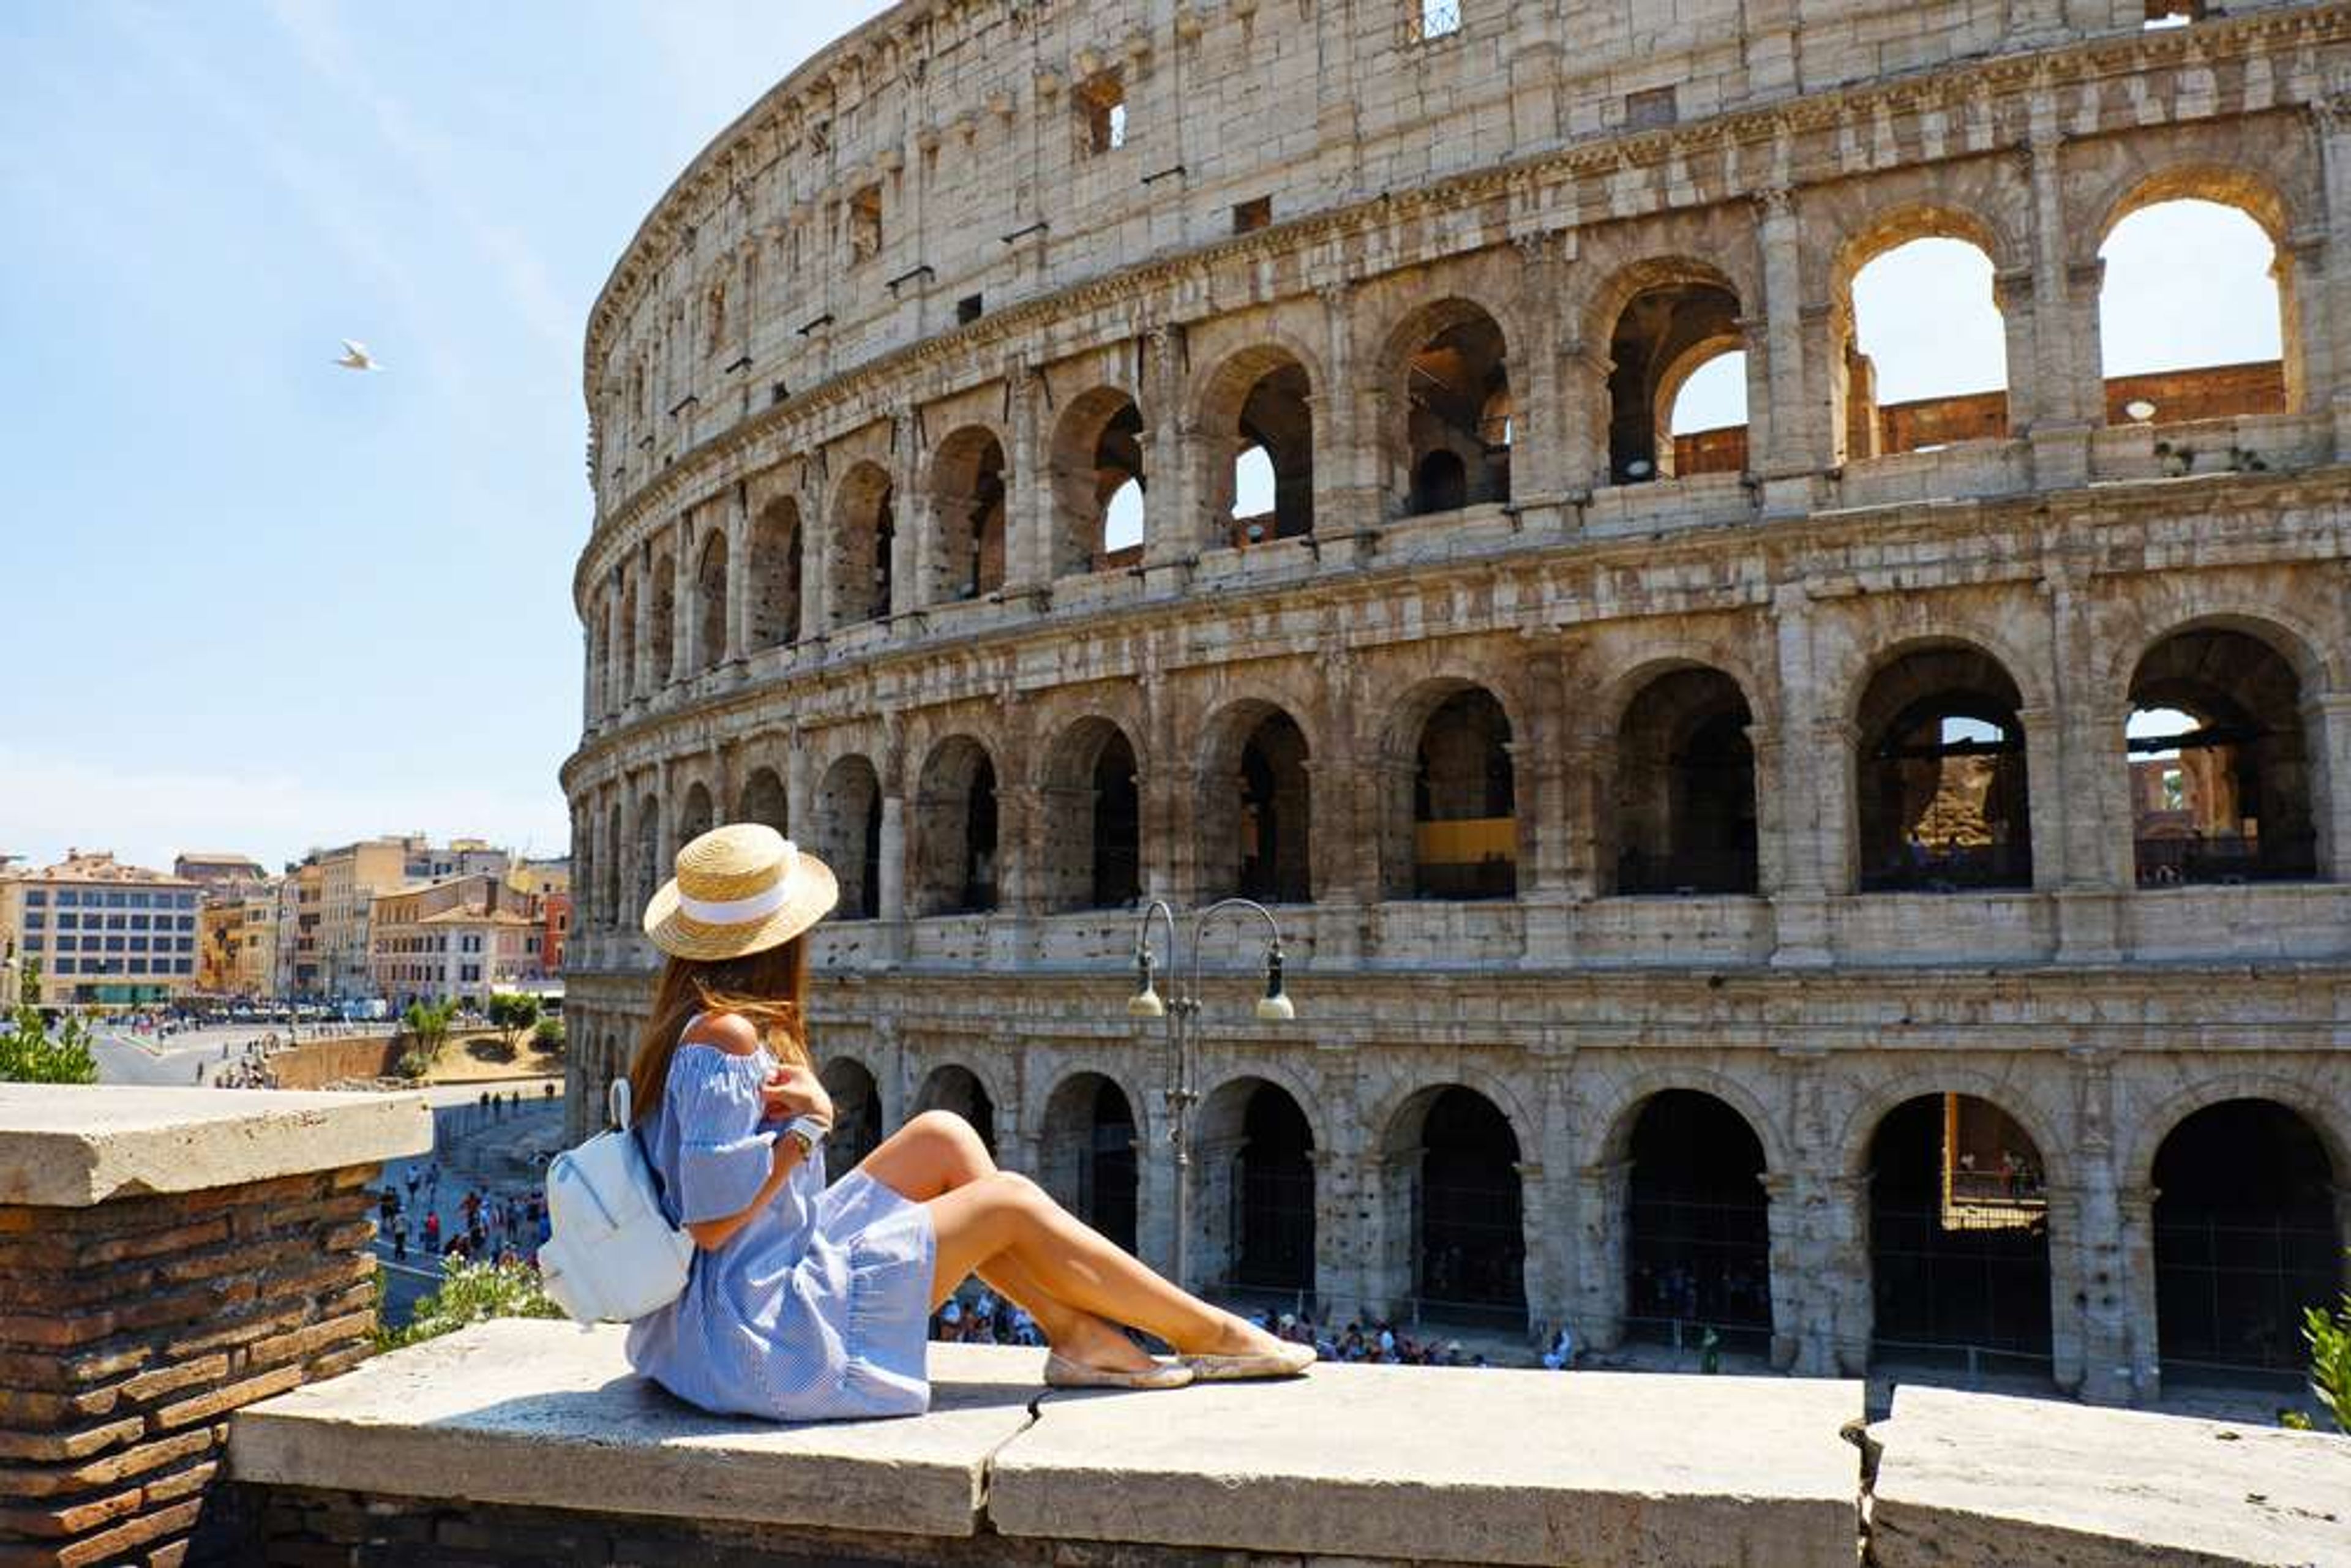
[
  {"x": 1469, "y": 1466},
  {"x": 548, "y": 1415},
  {"x": 1974, "y": 1481}
]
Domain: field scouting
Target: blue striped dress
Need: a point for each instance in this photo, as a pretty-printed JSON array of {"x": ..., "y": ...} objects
[{"x": 819, "y": 1308}]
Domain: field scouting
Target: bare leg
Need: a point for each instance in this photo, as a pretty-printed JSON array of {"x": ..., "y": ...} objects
[
  {"x": 978, "y": 1224},
  {"x": 938, "y": 1153}
]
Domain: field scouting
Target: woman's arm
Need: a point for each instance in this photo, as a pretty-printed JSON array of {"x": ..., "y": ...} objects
[{"x": 710, "y": 1235}]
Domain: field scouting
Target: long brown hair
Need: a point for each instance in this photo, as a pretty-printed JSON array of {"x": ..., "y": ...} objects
[{"x": 768, "y": 987}]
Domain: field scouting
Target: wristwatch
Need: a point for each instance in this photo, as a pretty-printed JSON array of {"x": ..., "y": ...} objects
[{"x": 807, "y": 1132}]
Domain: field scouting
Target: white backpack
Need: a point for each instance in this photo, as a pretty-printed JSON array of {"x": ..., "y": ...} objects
[{"x": 612, "y": 1255}]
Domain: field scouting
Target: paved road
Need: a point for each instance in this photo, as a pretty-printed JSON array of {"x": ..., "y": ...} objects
[{"x": 185, "y": 1059}]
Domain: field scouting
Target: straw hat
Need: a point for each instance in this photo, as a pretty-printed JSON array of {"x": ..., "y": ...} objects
[{"x": 739, "y": 889}]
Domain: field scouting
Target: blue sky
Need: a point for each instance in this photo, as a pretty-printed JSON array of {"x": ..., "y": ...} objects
[{"x": 259, "y": 603}]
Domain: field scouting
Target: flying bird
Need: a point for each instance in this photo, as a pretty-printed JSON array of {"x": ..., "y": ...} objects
[{"x": 355, "y": 357}]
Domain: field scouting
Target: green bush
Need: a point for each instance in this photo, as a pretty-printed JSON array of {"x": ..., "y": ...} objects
[
  {"x": 2329, "y": 1335},
  {"x": 29, "y": 1053},
  {"x": 511, "y": 1012},
  {"x": 470, "y": 1294},
  {"x": 548, "y": 1037}
]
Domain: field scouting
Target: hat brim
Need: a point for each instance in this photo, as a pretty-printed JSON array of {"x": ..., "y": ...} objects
[{"x": 809, "y": 898}]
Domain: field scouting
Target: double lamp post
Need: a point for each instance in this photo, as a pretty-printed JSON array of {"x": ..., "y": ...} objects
[{"x": 1181, "y": 1011}]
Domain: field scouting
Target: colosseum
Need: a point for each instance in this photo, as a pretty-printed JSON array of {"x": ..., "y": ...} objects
[{"x": 1869, "y": 880}]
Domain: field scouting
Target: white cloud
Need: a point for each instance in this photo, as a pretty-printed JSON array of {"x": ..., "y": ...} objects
[{"x": 49, "y": 804}]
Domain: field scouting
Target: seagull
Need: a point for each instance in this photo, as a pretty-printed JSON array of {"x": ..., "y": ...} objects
[{"x": 355, "y": 357}]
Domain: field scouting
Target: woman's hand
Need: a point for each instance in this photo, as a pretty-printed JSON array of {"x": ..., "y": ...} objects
[{"x": 791, "y": 1091}]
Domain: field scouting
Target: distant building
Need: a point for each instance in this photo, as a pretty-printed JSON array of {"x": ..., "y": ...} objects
[
  {"x": 237, "y": 950},
  {"x": 463, "y": 937},
  {"x": 220, "y": 872},
  {"x": 550, "y": 881},
  {"x": 103, "y": 933},
  {"x": 327, "y": 909}
]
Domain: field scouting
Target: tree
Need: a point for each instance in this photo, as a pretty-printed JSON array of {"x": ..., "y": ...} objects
[
  {"x": 427, "y": 1027},
  {"x": 512, "y": 1012},
  {"x": 29, "y": 1053},
  {"x": 548, "y": 1037}
]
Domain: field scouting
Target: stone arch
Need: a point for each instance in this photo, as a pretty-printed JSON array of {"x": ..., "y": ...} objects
[
  {"x": 651, "y": 872},
  {"x": 1942, "y": 776},
  {"x": 859, "y": 574},
  {"x": 1624, "y": 1110},
  {"x": 1255, "y": 1187},
  {"x": 667, "y": 662},
  {"x": 856, "y": 1115},
  {"x": 1861, "y": 425},
  {"x": 1682, "y": 813},
  {"x": 765, "y": 799},
  {"x": 631, "y": 679},
  {"x": 956, "y": 866},
  {"x": 1450, "y": 424},
  {"x": 1090, "y": 818},
  {"x": 1098, "y": 449},
  {"x": 2324, "y": 1114},
  {"x": 773, "y": 561},
  {"x": 846, "y": 833},
  {"x": 2248, "y": 1223},
  {"x": 1692, "y": 1217},
  {"x": 1961, "y": 1252},
  {"x": 696, "y": 815},
  {"x": 957, "y": 1087},
  {"x": 711, "y": 582},
  {"x": 969, "y": 480},
  {"x": 1256, "y": 806},
  {"x": 615, "y": 853},
  {"x": 1261, "y": 396},
  {"x": 2185, "y": 394},
  {"x": 1089, "y": 1154},
  {"x": 2231, "y": 794},
  {"x": 2306, "y": 650},
  {"x": 1661, "y": 318},
  {"x": 1449, "y": 806},
  {"x": 1450, "y": 1170}
]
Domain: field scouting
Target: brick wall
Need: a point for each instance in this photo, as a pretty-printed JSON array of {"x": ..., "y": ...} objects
[
  {"x": 325, "y": 1061},
  {"x": 130, "y": 1331}
]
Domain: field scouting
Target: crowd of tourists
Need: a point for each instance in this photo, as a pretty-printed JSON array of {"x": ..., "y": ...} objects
[{"x": 485, "y": 1225}]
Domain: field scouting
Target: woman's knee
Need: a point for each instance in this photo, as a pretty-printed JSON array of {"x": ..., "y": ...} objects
[{"x": 956, "y": 1136}]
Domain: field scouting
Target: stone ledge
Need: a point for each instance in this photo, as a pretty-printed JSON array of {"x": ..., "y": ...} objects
[
  {"x": 1975, "y": 1480},
  {"x": 1380, "y": 1463},
  {"x": 77, "y": 1147},
  {"x": 548, "y": 1415},
  {"x": 1426, "y": 1463}
]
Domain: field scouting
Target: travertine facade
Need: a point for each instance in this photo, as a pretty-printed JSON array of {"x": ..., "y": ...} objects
[{"x": 1718, "y": 880}]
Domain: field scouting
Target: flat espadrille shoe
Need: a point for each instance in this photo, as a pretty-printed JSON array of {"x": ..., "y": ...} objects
[
  {"x": 1060, "y": 1372},
  {"x": 1289, "y": 1360}
]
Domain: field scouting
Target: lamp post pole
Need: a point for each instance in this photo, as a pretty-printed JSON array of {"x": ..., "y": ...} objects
[{"x": 1181, "y": 1009}]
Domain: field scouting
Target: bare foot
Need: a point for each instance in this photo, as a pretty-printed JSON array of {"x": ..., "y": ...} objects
[{"x": 1092, "y": 1342}]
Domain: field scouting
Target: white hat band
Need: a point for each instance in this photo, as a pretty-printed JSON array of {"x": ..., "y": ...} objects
[{"x": 743, "y": 911}]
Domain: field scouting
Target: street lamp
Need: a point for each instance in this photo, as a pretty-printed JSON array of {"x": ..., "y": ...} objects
[{"x": 1181, "y": 1012}]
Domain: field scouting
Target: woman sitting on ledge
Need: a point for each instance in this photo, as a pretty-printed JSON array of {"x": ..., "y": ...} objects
[{"x": 810, "y": 1302}]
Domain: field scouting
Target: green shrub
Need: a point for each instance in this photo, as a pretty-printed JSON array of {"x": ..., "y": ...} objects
[
  {"x": 470, "y": 1293},
  {"x": 29, "y": 1053},
  {"x": 2329, "y": 1335},
  {"x": 548, "y": 1037}
]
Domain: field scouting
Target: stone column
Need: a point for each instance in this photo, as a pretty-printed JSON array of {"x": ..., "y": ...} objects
[
  {"x": 892, "y": 869},
  {"x": 1842, "y": 1317},
  {"x": 739, "y": 578},
  {"x": 1795, "y": 430},
  {"x": 2326, "y": 723},
  {"x": 173, "y": 1256},
  {"x": 1582, "y": 422},
  {"x": 2325, "y": 312},
  {"x": 684, "y": 657},
  {"x": 1540, "y": 449},
  {"x": 641, "y": 674},
  {"x": 2068, "y": 388},
  {"x": 1348, "y": 478},
  {"x": 1028, "y": 493},
  {"x": 1174, "y": 531},
  {"x": 2140, "y": 1349},
  {"x": 616, "y": 676},
  {"x": 1602, "y": 1191}
]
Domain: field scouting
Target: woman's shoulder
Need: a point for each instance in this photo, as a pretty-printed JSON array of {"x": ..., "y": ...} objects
[{"x": 731, "y": 1034}]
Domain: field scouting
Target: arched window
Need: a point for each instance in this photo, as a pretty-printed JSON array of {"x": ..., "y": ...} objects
[
  {"x": 774, "y": 568},
  {"x": 2220, "y": 774},
  {"x": 856, "y": 1116},
  {"x": 968, "y": 491},
  {"x": 710, "y": 585},
  {"x": 1697, "y": 1246},
  {"x": 1465, "y": 827},
  {"x": 1926, "y": 362},
  {"x": 764, "y": 801},
  {"x": 848, "y": 834},
  {"x": 1665, "y": 333},
  {"x": 959, "y": 1089},
  {"x": 1708, "y": 413},
  {"x": 1452, "y": 1167},
  {"x": 1098, "y": 484},
  {"x": 1684, "y": 813},
  {"x": 1259, "y": 416},
  {"x": 1456, "y": 409},
  {"x": 1255, "y": 814},
  {"x": 2208, "y": 340},
  {"x": 1942, "y": 793},
  {"x": 667, "y": 665},
  {"x": 694, "y": 819},
  {"x": 1255, "y": 1212},
  {"x": 1959, "y": 1234},
  {"x": 615, "y": 853},
  {"x": 650, "y": 872},
  {"x": 1092, "y": 820},
  {"x": 864, "y": 528},
  {"x": 1088, "y": 1154},
  {"x": 955, "y": 831}
]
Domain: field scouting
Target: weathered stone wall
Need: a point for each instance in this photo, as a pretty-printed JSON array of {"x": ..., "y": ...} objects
[
  {"x": 325, "y": 1061},
  {"x": 155, "y": 1277},
  {"x": 735, "y": 666}
]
